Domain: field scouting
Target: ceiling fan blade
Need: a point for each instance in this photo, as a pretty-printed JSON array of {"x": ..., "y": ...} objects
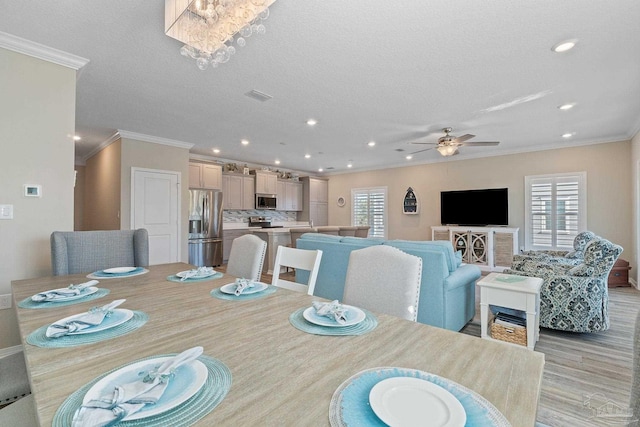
[
  {"x": 462, "y": 138},
  {"x": 479, "y": 143},
  {"x": 424, "y": 143},
  {"x": 420, "y": 151}
]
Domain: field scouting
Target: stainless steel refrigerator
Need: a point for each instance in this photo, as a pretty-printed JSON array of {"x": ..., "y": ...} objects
[{"x": 205, "y": 228}]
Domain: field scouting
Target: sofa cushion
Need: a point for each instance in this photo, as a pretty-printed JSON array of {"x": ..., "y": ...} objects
[
  {"x": 321, "y": 237},
  {"x": 361, "y": 241},
  {"x": 444, "y": 246}
]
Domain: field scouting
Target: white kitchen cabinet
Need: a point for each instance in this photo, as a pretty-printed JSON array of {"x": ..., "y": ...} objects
[
  {"x": 238, "y": 191},
  {"x": 318, "y": 190},
  {"x": 289, "y": 196},
  {"x": 266, "y": 182},
  {"x": 205, "y": 175},
  {"x": 315, "y": 201}
]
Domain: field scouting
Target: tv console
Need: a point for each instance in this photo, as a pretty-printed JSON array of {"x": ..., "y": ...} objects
[{"x": 490, "y": 248}]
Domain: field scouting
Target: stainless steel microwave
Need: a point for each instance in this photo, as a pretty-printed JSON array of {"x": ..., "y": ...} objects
[{"x": 265, "y": 201}]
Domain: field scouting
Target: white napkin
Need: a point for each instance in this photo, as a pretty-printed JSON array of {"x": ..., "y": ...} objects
[
  {"x": 93, "y": 317},
  {"x": 333, "y": 310},
  {"x": 199, "y": 272},
  {"x": 127, "y": 399},
  {"x": 242, "y": 285},
  {"x": 62, "y": 293}
]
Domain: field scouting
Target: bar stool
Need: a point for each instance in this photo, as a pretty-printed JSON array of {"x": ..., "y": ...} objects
[
  {"x": 297, "y": 232},
  {"x": 327, "y": 229},
  {"x": 363, "y": 231},
  {"x": 348, "y": 231}
]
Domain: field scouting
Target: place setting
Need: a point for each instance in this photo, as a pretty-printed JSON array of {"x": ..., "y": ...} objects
[
  {"x": 243, "y": 289},
  {"x": 72, "y": 294},
  {"x": 199, "y": 274},
  {"x": 117, "y": 272},
  {"x": 333, "y": 318},
  {"x": 97, "y": 324},
  {"x": 400, "y": 397},
  {"x": 171, "y": 389}
]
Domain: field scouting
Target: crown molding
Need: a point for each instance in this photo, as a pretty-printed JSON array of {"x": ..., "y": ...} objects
[
  {"x": 154, "y": 139},
  {"x": 40, "y": 51}
]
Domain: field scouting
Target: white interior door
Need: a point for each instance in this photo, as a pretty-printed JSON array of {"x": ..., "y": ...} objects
[{"x": 156, "y": 206}]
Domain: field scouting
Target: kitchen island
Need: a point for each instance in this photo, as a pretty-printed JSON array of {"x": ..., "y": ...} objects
[{"x": 275, "y": 237}]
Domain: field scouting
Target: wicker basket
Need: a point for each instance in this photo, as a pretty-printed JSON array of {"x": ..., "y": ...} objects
[{"x": 515, "y": 334}]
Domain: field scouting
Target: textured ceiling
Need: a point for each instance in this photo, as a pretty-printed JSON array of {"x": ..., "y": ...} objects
[{"x": 391, "y": 72}]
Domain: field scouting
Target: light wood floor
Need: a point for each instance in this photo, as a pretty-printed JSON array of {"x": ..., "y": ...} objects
[{"x": 583, "y": 368}]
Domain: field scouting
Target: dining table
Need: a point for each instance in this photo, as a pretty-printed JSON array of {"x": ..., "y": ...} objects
[{"x": 280, "y": 375}]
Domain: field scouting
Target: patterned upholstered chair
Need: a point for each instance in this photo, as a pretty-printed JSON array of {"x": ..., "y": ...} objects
[
  {"x": 574, "y": 257},
  {"x": 86, "y": 251},
  {"x": 575, "y": 298}
]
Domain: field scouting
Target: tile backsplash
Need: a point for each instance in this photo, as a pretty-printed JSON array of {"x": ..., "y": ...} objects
[{"x": 231, "y": 216}]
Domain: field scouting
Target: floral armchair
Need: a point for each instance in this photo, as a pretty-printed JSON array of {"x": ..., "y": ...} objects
[
  {"x": 574, "y": 257},
  {"x": 574, "y": 298}
]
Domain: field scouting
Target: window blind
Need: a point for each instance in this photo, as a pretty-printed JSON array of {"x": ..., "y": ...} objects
[{"x": 369, "y": 208}]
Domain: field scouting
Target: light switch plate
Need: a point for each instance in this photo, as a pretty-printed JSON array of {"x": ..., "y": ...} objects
[{"x": 6, "y": 211}]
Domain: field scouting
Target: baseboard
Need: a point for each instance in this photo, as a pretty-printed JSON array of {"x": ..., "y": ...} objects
[
  {"x": 634, "y": 283},
  {"x": 8, "y": 351}
]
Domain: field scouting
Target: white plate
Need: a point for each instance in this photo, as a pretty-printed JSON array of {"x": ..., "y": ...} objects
[
  {"x": 354, "y": 316},
  {"x": 188, "y": 380},
  {"x": 196, "y": 276},
  {"x": 230, "y": 288},
  {"x": 118, "y": 317},
  {"x": 85, "y": 292},
  {"x": 407, "y": 401},
  {"x": 119, "y": 270}
]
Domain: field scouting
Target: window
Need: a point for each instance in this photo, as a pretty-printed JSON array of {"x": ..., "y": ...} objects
[
  {"x": 555, "y": 210},
  {"x": 370, "y": 208}
]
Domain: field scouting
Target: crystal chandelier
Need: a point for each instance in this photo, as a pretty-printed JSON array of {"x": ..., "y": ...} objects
[{"x": 208, "y": 28}]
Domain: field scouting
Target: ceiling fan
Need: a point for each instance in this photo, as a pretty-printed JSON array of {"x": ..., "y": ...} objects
[{"x": 448, "y": 144}]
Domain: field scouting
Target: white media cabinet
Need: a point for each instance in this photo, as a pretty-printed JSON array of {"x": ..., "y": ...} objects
[{"x": 490, "y": 248}]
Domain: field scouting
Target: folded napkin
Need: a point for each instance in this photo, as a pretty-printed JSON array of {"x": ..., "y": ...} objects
[
  {"x": 333, "y": 310},
  {"x": 93, "y": 317},
  {"x": 62, "y": 293},
  {"x": 242, "y": 285},
  {"x": 199, "y": 272},
  {"x": 127, "y": 399}
]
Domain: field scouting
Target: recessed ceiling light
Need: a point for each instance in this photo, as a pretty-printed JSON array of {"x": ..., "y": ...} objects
[
  {"x": 216, "y": 150},
  {"x": 320, "y": 170},
  {"x": 568, "y": 106},
  {"x": 564, "y": 46},
  {"x": 567, "y": 135},
  {"x": 371, "y": 143},
  {"x": 409, "y": 157},
  {"x": 244, "y": 142},
  {"x": 312, "y": 122},
  {"x": 307, "y": 156},
  {"x": 349, "y": 165},
  {"x": 277, "y": 162},
  {"x": 76, "y": 138}
]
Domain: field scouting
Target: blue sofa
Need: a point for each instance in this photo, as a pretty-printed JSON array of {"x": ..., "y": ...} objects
[{"x": 447, "y": 293}]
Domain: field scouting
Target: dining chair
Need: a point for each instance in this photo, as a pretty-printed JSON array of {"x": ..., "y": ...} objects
[
  {"x": 14, "y": 381},
  {"x": 384, "y": 279},
  {"x": 247, "y": 257},
  {"x": 21, "y": 413},
  {"x": 87, "y": 251},
  {"x": 302, "y": 259}
]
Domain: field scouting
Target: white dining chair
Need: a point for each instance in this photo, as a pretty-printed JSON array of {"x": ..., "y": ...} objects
[
  {"x": 21, "y": 413},
  {"x": 303, "y": 259},
  {"x": 384, "y": 279},
  {"x": 247, "y": 257}
]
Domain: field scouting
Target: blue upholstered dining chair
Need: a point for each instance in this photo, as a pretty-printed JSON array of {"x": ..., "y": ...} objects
[
  {"x": 384, "y": 279},
  {"x": 75, "y": 252},
  {"x": 247, "y": 257}
]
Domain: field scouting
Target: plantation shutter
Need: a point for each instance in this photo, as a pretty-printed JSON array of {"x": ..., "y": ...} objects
[
  {"x": 369, "y": 208},
  {"x": 555, "y": 211}
]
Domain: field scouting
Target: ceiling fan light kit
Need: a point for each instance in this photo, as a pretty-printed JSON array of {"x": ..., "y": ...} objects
[{"x": 448, "y": 144}]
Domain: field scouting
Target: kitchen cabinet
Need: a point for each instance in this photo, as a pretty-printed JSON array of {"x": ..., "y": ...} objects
[
  {"x": 205, "y": 175},
  {"x": 289, "y": 196},
  {"x": 266, "y": 182},
  {"x": 315, "y": 201},
  {"x": 238, "y": 191}
]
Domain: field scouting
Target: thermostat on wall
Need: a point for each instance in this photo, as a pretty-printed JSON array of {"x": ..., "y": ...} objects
[{"x": 32, "y": 190}]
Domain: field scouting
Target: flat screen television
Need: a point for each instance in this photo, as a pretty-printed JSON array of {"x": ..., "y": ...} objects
[{"x": 475, "y": 207}]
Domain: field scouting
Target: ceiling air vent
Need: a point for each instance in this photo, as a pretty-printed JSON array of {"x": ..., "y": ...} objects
[
  {"x": 260, "y": 96},
  {"x": 399, "y": 149},
  {"x": 329, "y": 168}
]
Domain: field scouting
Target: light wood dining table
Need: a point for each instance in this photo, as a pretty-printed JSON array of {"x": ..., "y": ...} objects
[{"x": 281, "y": 375}]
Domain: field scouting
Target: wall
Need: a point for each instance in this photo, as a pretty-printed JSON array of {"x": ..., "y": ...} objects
[
  {"x": 37, "y": 123},
  {"x": 78, "y": 198},
  {"x": 160, "y": 157},
  {"x": 635, "y": 197},
  {"x": 609, "y": 189},
  {"x": 102, "y": 189}
]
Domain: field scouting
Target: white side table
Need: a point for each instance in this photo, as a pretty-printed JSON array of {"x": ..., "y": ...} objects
[{"x": 512, "y": 291}]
